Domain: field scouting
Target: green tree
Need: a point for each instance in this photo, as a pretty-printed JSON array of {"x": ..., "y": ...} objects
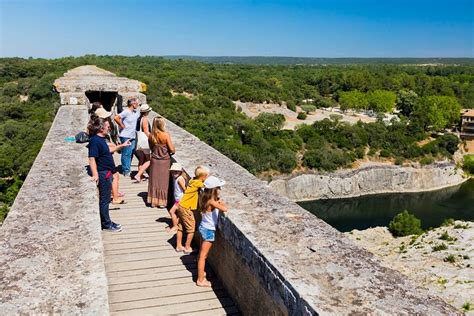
[
  {"x": 406, "y": 100},
  {"x": 353, "y": 100},
  {"x": 404, "y": 224},
  {"x": 381, "y": 101},
  {"x": 436, "y": 112}
]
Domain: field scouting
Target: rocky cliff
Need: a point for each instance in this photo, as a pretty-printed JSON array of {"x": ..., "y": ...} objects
[{"x": 368, "y": 180}]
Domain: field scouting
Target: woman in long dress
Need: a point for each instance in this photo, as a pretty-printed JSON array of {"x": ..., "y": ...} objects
[{"x": 161, "y": 147}]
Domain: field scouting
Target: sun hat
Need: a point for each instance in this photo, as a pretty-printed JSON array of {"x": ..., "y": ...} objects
[
  {"x": 145, "y": 108},
  {"x": 176, "y": 167},
  {"x": 102, "y": 113},
  {"x": 213, "y": 182}
]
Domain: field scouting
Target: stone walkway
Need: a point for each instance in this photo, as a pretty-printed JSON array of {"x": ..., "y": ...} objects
[{"x": 145, "y": 274}]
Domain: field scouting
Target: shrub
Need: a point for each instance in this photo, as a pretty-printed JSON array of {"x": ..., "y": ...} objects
[
  {"x": 308, "y": 108},
  {"x": 468, "y": 164},
  {"x": 450, "y": 258},
  {"x": 302, "y": 116},
  {"x": 404, "y": 224},
  {"x": 448, "y": 222},
  {"x": 439, "y": 247},
  {"x": 291, "y": 105},
  {"x": 426, "y": 160},
  {"x": 445, "y": 236}
]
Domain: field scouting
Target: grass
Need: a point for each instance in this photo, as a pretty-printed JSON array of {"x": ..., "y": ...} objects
[
  {"x": 450, "y": 259},
  {"x": 445, "y": 236},
  {"x": 467, "y": 306},
  {"x": 439, "y": 247}
]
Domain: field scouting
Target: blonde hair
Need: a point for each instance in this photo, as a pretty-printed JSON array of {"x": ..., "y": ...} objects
[
  {"x": 201, "y": 171},
  {"x": 157, "y": 130}
]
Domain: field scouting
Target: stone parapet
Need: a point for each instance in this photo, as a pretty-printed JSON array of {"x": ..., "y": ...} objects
[
  {"x": 274, "y": 257},
  {"x": 51, "y": 254}
]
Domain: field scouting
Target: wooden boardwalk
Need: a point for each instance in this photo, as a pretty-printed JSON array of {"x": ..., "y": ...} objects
[{"x": 146, "y": 276}]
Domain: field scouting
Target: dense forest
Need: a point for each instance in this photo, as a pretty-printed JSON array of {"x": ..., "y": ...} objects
[{"x": 428, "y": 97}]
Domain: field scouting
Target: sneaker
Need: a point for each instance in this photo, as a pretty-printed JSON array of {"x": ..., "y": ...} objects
[
  {"x": 117, "y": 225},
  {"x": 112, "y": 228}
]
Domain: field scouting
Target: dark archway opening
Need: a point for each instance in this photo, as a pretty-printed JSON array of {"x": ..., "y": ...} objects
[{"x": 107, "y": 98}]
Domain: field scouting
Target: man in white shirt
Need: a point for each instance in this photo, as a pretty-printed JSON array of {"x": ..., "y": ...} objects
[{"x": 127, "y": 121}]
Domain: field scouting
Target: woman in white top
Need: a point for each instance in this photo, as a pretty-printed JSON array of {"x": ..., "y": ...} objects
[{"x": 210, "y": 206}]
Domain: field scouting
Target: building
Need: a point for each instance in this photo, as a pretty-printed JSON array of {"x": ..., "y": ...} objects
[
  {"x": 467, "y": 124},
  {"x": 88, "y": 84}
]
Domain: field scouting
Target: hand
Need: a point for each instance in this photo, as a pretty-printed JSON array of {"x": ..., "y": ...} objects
[
  {"x": 127, "y": 143},
  {"x": 95, "y": 178}
]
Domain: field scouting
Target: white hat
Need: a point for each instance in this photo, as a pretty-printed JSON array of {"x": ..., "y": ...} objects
[
  {"x": 176, "y": 167},
  {"x": 102, "y": 113},
  {"x": 213, "y": 182},
  {"x": 145, "y": 108}
]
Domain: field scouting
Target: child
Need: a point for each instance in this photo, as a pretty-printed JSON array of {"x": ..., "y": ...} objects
[
  {"x": 179, "y": 187},
  {"x": 210, "y": 206},
  {"x": 186, "y": 206}
]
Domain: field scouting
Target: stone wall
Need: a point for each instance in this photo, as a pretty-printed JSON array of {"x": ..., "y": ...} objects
[
  {"x": 51, "y": 255},
  {"x": 276, "y": 258},
  {"x": 368, "y": 180}
]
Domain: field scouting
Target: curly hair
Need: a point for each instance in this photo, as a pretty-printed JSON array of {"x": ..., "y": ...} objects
[{"x": 95, "y": 125}]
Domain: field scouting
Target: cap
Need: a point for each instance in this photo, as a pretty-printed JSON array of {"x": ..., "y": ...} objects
[
  {"x": 102, "y": 113},
  {"x": 213, "y": 182}
]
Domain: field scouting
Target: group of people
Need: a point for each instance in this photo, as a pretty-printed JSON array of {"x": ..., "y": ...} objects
[{"x": 198, "y": 196}]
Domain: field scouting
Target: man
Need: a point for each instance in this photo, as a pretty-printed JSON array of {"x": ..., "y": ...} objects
[
  {"x": 102, "y": 167},
  {"x": 127, "y": 122}
]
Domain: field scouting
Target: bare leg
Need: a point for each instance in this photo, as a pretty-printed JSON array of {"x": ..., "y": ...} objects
[
  {"x": 187, "y": 245},
  {"x": 115, "y": 188},
  {"x": 174, "y": 219},
  {"x": 141, "y": 170},
  {"x": 179, "y": 240},
  {"x": 201, "y": 279}
]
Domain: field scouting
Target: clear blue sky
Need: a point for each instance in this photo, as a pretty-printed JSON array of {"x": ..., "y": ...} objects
[{"x": 319, "y": 28}]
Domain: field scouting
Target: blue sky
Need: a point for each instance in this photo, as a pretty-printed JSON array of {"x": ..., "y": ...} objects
[{"x": 319, "y": 28}]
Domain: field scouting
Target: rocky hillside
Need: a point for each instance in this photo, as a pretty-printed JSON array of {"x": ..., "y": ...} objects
[
  {"x": 441, "y": 260},
  {"x": 368, "y": 180}
]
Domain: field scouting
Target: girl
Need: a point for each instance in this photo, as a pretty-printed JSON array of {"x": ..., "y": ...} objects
[
  {"x": 179, "y": 187},
  {"x": 143, "y": 154},
  {"x": 210, "y": 206},
  {"x": 161, "y": 147}
]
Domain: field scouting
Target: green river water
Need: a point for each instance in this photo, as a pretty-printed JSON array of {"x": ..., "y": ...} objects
[{"x": 378, "y": 210}]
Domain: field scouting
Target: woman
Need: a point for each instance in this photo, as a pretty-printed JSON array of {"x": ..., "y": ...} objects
[
  {"x": 143, "y": 154},
  {"x": 161, "y": 147}
]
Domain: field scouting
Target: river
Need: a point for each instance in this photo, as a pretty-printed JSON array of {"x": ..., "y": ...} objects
[{"x": 378, "y": 210}]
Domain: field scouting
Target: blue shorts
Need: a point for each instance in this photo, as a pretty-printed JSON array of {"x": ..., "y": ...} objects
[{"x": 207, "y": 234}]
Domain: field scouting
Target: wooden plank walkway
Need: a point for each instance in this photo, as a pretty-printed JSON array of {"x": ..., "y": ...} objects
[{"x": 146, "y": 276}]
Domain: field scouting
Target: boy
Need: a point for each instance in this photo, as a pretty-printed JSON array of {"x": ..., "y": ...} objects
[{"x": 187, "y": 205}]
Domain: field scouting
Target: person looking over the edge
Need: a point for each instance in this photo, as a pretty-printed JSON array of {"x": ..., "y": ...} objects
[{"x": 127, "y": 122}]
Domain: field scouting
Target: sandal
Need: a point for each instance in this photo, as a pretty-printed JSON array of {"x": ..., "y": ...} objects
[
  {"x": 181, "y": 249},
  {"x": 119, "y": 201},
  {"x": 136, "y": 180},
  {"x": 204, "y": 283},
  {"x": 188, "y": 251},
  {"x": 171, "y": 230}
]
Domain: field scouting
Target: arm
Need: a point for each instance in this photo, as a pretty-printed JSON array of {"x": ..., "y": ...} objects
[
  {"x": 113, "y": 148},
  {"x": 170, "y": 144},
  {"x": 93, "y": 166},
  {"x": 118, "y": 120},
  {"x": 219, "y": 205},
  {"x": 182, "y": 183},
  {"x": 145, "y": 128}
]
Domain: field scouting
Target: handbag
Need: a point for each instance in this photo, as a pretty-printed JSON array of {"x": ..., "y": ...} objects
[
  {"x": 82, "y": 137},
  {"x": 142, "y": 139}
]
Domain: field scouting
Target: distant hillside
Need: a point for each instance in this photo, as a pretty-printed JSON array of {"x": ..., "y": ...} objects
[{"x": 261, "y": 60}]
